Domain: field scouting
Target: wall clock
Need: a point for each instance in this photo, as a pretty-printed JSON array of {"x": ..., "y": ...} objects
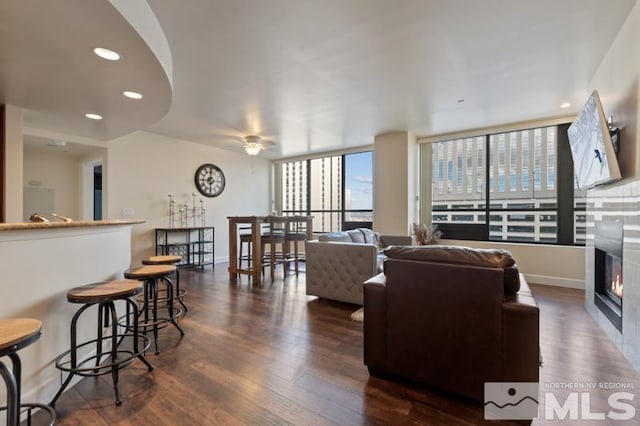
[{"x": 209, "y": 180}]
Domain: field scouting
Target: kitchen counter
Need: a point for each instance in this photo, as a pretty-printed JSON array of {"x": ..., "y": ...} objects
[
  {"x": 40, "y": 262},
  {"x": 59, "y": 224}
]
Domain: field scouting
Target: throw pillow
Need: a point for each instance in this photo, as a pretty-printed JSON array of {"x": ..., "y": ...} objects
[
  {"x": 356, "y": 236},
  {"x": 369, "y": 235}
]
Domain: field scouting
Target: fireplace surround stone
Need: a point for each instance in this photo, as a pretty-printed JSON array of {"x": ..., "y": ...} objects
[{"x": 619, "y": 204}]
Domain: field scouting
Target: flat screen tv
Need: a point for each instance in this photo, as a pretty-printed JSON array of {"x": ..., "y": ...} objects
[{"x": 594, "y": 158}]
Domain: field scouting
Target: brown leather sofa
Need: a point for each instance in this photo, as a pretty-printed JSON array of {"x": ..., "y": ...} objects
[{"x": 452, "y": 318}]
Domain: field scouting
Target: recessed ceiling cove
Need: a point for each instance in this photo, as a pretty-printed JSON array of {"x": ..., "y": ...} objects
[{"x": 48, "y": 66}]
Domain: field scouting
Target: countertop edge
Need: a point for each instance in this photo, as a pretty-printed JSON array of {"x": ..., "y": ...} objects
[{"x": 23, "y": 226}]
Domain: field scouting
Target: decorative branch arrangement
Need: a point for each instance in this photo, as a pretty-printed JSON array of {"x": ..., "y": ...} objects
[
  {"x": 426, "y": 234},
  {"x": 186, "y": 214}
]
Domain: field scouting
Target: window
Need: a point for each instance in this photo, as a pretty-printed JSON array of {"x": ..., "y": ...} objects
[
  {"x": 358, "y": 187},
  {"x": 325, "y": 183},
  {"x": 521, "y": 201},
  {"x": 336, "y": 190},
  {"x": 294, "y": 186}
]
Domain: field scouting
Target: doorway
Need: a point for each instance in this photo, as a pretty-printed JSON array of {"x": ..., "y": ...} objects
[
  {"x": 91, "y": 195},
  {"x": 97, "y": 192}
]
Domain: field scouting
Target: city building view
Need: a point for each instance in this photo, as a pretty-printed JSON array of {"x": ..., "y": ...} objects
[
  {"x": 507, "y": 182},
  {"x": 336, "y": 191},
  {"x": 521, "y": 200}
]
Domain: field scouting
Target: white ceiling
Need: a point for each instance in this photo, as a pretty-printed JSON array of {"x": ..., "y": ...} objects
[
  {"x": 319, "y": 75},
  {"x": 57, "y": 146},
  {"x": 47, "y": 66}
]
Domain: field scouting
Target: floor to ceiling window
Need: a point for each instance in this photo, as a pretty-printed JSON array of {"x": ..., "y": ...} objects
[
  {"x": 515, "y": 186},
  {"x": 358, "y": 188},
  {"x": 336, "y": 190}
]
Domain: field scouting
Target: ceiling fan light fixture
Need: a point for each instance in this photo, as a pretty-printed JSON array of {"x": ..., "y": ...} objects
[{"x": 252, "y": 148}]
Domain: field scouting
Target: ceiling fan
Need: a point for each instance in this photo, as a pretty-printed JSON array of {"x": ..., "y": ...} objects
[{"x": 254, "y": 144}]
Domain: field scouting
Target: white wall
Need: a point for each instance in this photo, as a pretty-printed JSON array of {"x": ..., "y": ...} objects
[
  {"x": 13, "y": 164},
  {"x": 143, "y": 168},
  {"x": 541, "y": 264},
  {"x": 57, "y": 171},
  {"x": 616, "y": 80}
]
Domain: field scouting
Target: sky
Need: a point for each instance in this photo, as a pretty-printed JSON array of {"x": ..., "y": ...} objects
[{"x": 359, "y": 179}]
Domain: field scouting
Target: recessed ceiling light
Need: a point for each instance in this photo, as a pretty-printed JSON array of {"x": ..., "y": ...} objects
[
  {"x": 106, "y": 53},
  {"x": 565, "y": 105},
  {"x": 57, "y": 142},
  {"x": 93, "y": 116},
  {"x": 132, "y": 95}
]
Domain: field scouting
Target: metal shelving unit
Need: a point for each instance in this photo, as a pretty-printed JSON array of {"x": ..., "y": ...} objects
[{"x": 195, "y": 245}]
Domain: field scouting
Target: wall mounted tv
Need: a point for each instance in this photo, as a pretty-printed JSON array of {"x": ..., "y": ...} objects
[{"x": 594, "y": 157}]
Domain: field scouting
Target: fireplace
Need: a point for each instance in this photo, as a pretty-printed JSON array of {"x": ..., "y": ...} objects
[
  {"x": 609, "y": 209},
  {"x": 613, "y": 278},
  {"x": 608, "y": 280}
]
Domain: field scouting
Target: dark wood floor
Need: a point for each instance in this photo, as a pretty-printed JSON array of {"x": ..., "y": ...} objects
[{"x": 272, "y": 355}]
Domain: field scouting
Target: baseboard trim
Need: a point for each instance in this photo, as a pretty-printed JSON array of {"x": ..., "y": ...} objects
[
  {"x": 555, "y": 281},
  {"x": 221, "y": 259},
  {"x": 46, "y": 389}
]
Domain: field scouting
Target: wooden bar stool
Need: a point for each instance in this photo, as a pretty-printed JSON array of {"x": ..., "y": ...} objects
[
  {"x": 16, "y": 334},
  {"x": 104, "y": 294},
  {"x": 273, "y": 237},
  {"x": 245, "y": 238},
  {"x": 149, "y": 275},
  {"x": 296, "y": 232},
  {"x": 170, "y": 259}
]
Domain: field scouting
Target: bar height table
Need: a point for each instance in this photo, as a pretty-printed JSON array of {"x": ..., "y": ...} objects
[{"x": 255, "y": 270}]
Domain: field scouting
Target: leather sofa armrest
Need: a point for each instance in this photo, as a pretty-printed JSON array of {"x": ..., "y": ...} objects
[
  {"x": 521, "y": 331},
  {"x": 395, "y": 240},
  {"x": 375, "y": 325}
]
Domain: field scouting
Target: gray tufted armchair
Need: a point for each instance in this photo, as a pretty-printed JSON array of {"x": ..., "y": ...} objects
[{"x": 337, "y": 270}]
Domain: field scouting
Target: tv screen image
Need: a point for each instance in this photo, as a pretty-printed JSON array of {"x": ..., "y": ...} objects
[{"x": 594, "y": 159}]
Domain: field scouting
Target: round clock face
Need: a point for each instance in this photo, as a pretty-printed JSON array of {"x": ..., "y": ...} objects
[{"x": 209, "y": 180}]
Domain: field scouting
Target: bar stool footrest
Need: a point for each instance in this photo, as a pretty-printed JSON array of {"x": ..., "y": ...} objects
[
  {"x": 179, "y": 296},
  {"x": 29, "y": 406},
  {"x": 63, "y": 361},
  {"x": 145, "y": 326}
]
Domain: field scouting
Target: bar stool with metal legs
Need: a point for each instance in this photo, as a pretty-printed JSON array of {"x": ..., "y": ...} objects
[
  {"x": 170, "y": 259},
  {"x": 16, "y": 334},
  {"x": 150, "y": 275},
  {"x": 104, "y": 294}
]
